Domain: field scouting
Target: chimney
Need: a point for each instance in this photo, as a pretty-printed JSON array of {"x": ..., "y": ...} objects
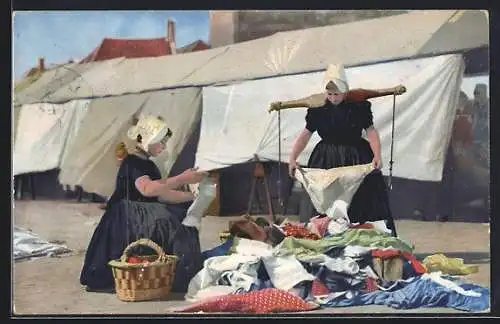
[
  {"x": 41, "y": 64},
  {"x": 171, "y": 35}
]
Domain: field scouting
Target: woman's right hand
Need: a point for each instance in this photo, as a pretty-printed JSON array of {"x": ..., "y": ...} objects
[
  {"x": 192, "y": 176},
  {"x": 292, "y": 166},
  {"x": 274, "y": 106}
]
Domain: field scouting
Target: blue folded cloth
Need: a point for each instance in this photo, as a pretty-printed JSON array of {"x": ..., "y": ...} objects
[
  {"x": 421, "y": 293},
  {"x": 220, "y": 250}
]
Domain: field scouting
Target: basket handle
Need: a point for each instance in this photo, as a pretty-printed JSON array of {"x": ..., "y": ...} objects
[{"x": 145, "y": 242}]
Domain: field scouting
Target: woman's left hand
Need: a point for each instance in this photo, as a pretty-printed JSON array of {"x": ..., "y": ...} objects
[
  {"x": 399, "y": 89},
  {"x": 377, "y": 162}
]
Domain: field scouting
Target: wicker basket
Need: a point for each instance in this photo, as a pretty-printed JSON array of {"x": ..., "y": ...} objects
[{"x": 144, "y": 281}]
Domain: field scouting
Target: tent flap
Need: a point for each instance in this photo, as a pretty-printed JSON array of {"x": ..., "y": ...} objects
[
  {"x": 236, "y": 126},
  {"x": 43, "y": 133}
]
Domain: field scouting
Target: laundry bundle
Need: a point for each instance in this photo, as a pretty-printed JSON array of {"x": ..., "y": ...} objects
[
  {"x": 326, "y": 262},
  {"x": 363, "y": 265}
]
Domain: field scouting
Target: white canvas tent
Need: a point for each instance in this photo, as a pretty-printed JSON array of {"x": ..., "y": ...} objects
[
  {"x": 91, "y": 161},
  {"x": 418, "y": 33},
  {"x": 236, "y": 125},
  {"x": 53, "y": 79},
  {"x": 47, "y": 129},
  {"x": 279, "y": 54}
]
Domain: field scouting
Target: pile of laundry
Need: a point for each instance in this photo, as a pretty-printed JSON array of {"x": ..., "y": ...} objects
[
  {"x": 293, "y": 267},
  {"x": 27, "y": 244}
]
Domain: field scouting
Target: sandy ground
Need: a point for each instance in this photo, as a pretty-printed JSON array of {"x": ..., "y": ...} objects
[{"x": 50, "y": 285}]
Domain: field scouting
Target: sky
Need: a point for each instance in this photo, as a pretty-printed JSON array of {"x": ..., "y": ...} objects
[{"x": 59, "y": 36}]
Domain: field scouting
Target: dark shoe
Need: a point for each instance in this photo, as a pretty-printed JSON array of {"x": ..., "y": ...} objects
[{"x": 100, "y": 290}]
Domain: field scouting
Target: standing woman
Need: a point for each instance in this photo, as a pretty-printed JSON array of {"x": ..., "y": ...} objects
[
  {"x": 144, "y": 205},
  {"x": 339, "y": 123}
]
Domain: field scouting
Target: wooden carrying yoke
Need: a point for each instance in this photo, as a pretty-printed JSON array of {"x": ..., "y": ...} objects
[{"x": 318, "y": 100}]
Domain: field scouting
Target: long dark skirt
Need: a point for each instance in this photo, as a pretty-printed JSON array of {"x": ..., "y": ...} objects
[
  {"x": 127, "y": 221},
  {"x": 371, "y": 201}
]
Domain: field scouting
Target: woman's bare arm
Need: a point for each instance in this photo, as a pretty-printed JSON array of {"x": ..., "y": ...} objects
[{"x": 176, "y": 196}]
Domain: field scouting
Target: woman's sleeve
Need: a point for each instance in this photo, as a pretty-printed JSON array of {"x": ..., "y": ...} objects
[
  {"x": 366, "y": 115},
  {"x": 311, "y": 121},
  {"x": 137, "y": 170},
  {"x": 120, "y": 191}
]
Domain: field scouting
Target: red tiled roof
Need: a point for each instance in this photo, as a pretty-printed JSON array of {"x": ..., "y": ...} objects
[
  {"x": 195, "y": 46},
  {"x": 111, "y": 48}
]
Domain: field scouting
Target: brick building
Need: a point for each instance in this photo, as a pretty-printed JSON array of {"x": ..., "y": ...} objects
[{"x": 229, "y": 27}]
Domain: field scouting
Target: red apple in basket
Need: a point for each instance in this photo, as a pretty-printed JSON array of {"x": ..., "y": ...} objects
[{"x": 133, "y": 259}]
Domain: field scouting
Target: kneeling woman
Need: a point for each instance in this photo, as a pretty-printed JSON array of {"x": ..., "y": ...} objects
[{"x": 136, "y": 210}]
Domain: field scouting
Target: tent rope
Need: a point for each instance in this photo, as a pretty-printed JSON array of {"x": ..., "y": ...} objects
[
  {"x": 391, "y": 162},
  {"x": 280, "y": 200}
]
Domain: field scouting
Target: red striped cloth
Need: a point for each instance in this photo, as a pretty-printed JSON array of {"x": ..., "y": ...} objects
[{"x": 387, "y": 254}]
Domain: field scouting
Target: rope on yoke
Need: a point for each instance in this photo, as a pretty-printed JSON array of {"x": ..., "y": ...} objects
[{"x": 391, "y": 162}]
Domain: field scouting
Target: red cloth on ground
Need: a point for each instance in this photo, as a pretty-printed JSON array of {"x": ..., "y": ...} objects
[
  {"x": 269, "y": 300},
  {"x": 386, "y": 254},
  {"x": 298, "y": 231},
  {"x": 370, "y": 285},
  {"x": 320, "y": 224},
  {"x": 319, "y": 289}
]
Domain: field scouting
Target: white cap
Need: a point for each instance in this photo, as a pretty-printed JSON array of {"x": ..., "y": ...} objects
[
  {"x": 152, "y": 130},
  {"x": 336, "y": 74}
]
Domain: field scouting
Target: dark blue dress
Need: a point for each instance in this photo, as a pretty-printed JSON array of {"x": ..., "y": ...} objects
[
  {"x": 340, "y": 128},
  {"x": 130, "y": 216}
]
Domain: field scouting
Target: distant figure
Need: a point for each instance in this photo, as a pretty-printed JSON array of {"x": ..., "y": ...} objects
[
  {"x": 440, "y": 199},
  {"x": 481, "y": 146},
  {"x": 462, "y": 136},
  {"x": 480, "y": 122}
]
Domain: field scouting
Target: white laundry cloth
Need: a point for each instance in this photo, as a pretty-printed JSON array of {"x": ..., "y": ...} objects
[
  {"x": 339, "y": 225},
  {"x": 356, "y": 251},
  {"x": 243, "y": 246},
  {"x": 380, "y": 226},
  {"x": 27, "y": 244},
  {"x": 205, "y": 193},
  {"x": 331, "y": 190},
  {"x": 342, "y": 265},
  {"x": 436, "y": 277},
  {"x": 240, "y": 269},
  {"x": 286, "y": 271}
]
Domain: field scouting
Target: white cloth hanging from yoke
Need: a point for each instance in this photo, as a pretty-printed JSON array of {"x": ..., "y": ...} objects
[{"x": 331, "y": 190}]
